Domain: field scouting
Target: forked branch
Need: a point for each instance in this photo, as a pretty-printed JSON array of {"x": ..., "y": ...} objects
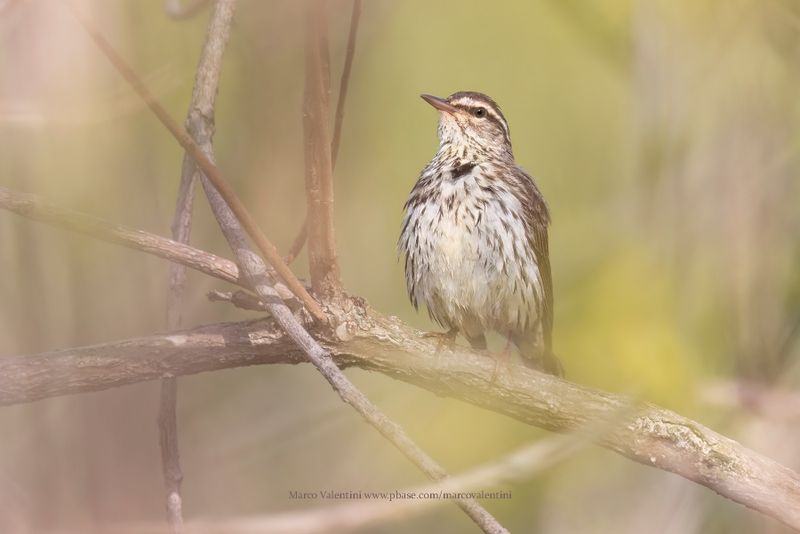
[
  {"x": 209, "y": 169},
  {"x": 200, "y": 123}
]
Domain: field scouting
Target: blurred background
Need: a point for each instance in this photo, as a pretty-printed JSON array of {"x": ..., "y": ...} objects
[{"x": 663, "y": 133}]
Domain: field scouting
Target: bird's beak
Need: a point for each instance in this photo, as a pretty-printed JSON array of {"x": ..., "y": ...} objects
[{"x": 439, "y": 103}]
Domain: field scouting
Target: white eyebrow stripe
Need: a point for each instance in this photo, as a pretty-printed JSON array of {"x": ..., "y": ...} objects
[{"x": 468, "y": 101}]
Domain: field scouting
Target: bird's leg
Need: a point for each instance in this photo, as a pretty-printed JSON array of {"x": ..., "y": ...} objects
[
  {"x": 502, "y": 358},
  {"x": 505, "y": 354},
  {"x": 445, "y": 339}
]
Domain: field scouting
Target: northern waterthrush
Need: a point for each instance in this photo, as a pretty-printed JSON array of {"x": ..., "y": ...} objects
[{"x": 474, "y": 235}]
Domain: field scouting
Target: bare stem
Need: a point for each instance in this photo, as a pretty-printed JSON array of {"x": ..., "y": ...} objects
[
  {"x": 170, "y": 458},
  {"x": 298, "y": 243},
  {"x": 319, "y": 176},
  {"x": 344, "y": 83}
]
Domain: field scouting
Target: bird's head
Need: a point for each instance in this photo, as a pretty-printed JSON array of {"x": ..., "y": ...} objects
[{"x": 473, "y": 120}]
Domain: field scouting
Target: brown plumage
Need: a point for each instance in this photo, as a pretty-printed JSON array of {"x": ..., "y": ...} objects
[{"x": 474, "y": 235}]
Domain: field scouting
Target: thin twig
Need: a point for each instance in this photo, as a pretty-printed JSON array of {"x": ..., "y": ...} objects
[
  {"x": 33, "y": 207},
  {"x": 651, "y": 435},
  {"x": 170, "y": 458},
  {"x": 344, "y": 82},
  {"x": 210, "y": 170},
  {"x": 298, "y": 243},
  {"x": 36, "y": 209}
]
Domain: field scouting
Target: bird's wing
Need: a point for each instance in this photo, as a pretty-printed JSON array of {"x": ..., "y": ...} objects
[{"x": 537, "y": 219}]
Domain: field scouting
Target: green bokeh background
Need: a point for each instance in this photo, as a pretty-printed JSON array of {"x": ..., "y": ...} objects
[{"x": 664, "y": 135}]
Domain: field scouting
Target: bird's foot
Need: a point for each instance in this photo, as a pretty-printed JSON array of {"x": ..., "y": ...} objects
[{"x": 444, "y": 339}]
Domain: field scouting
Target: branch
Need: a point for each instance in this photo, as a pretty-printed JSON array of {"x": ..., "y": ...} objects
[
  {"x": 298, "y": 243},
  {"x": 322, "y": 260},
  {"x": 33, "y": 207},
  {"x": 200, "y": 123},
  {"x": 210, "y": 170},
  {"x": 367, "y": 340},
  {"x": 344, "y": 83}
]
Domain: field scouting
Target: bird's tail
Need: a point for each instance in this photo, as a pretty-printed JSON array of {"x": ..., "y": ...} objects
[
  {"x": 537, "y": 356},
  {"x": 551, "y": 364}
]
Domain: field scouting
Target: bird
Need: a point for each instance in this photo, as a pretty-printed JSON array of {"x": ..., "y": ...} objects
[{"x": 475, "y": 236}]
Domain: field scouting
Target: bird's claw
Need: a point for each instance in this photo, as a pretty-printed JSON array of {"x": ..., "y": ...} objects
[{"x": 444, "y": 339}]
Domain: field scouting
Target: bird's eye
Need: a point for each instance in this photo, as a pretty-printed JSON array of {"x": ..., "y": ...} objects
[{"x": 480, "y": 113}]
